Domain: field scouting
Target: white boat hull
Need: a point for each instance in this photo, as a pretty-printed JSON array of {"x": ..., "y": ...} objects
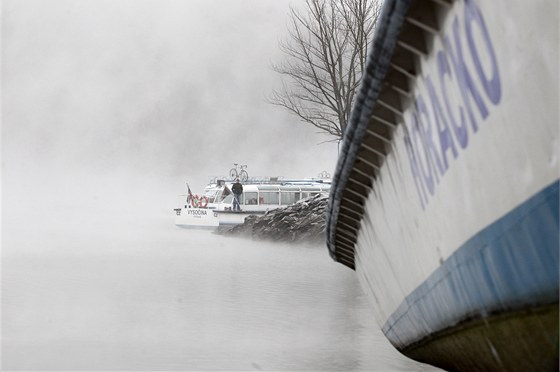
[
  {"x": 459, "y": 229},
  {"x": 197, "y": 218},
  {"x": 426, "y": 215}
]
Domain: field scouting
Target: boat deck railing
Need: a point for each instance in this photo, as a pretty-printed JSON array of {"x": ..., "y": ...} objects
[{"x": 272, "y": 180}]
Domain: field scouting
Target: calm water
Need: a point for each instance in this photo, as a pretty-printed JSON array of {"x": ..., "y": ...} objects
[{"x": 154, "y": 297}]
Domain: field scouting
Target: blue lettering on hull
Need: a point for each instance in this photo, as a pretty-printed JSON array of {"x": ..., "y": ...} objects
[{"x": 437, "y": 131}]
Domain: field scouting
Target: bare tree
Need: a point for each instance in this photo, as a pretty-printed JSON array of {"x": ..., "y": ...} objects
[{"x": 326, "y": 52}]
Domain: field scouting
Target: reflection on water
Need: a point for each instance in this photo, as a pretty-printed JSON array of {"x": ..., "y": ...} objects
[{"x": 176, "y": 299}]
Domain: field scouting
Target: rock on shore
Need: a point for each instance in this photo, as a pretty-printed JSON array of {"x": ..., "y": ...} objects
[{"x": 303, "y": 222}]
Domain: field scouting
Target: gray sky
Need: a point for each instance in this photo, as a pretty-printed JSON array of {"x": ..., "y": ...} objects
[{"x": 124, "y": 100}]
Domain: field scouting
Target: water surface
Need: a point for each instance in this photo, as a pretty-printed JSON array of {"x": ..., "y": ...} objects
[{"x": 154, "y": 297}]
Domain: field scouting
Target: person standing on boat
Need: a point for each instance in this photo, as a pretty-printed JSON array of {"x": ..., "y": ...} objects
[{"x": 237, "y": 189}]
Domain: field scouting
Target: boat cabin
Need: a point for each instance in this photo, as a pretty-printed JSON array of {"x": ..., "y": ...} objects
[
  {"x": 263, "y": 197},
  {"x": 214, "y": 206}
]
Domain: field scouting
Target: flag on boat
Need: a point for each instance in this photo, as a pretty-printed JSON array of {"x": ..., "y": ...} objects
[
  {"x": 190, "y": 197},
  {"x": 226, "y": 192}
]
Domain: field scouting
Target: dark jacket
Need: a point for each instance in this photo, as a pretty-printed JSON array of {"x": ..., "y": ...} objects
[{"x": 237, "y": 188}]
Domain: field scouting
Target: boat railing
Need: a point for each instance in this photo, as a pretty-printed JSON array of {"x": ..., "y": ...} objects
[{"x": 271, "y": 180}]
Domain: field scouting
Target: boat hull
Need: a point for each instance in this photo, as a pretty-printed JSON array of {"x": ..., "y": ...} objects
[
  {"x": 456, "y": 240},
  {"x": 202, "y": 218},
  {"x": 495, "y": 295},
  {"x": 480, "y": 345},
  {"x": 197, "y": 218}
]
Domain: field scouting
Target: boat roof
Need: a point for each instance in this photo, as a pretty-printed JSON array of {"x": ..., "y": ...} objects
[
  {"x": 270, "y": 180},
  {"x": 286, "y": 185}
]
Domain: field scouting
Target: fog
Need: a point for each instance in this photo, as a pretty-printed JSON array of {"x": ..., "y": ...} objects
[
  {"x": 108, "y": 108},
  {"x": 116, "y": 104}
]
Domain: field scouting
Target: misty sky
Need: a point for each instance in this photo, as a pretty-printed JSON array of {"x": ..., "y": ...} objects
[{"x": 116, "y": 101}]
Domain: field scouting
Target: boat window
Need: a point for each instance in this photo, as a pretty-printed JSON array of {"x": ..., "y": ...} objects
[
  {"x": 287, "y": 198},
  {"x": 210, "y": 194},
  {"x": 269, "y": 198},
  {"x": 228, "y": 199},
  {"x": 251, "y": 198},
  {"x": 210, "y": 197}
]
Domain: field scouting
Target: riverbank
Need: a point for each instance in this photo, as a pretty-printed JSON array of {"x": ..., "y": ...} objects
[{"x": 303, "y": 222}]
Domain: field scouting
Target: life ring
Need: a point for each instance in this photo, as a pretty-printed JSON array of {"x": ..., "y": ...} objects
[
  {"x": 203, "y": 201},
  {"x": 199, "y": 201},
  {"x": 194, "y": 201}
]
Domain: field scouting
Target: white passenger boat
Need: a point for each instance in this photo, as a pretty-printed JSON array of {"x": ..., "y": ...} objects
[
  {"x": 214, "y": 207},
  {"x": 446, "y": 195}
]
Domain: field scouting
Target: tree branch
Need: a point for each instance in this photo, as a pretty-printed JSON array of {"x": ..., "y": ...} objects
[{"x": 325, "y": 57}]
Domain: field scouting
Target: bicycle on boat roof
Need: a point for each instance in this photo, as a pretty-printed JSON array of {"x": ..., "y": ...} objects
[{"x": 241, "y": 174}]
